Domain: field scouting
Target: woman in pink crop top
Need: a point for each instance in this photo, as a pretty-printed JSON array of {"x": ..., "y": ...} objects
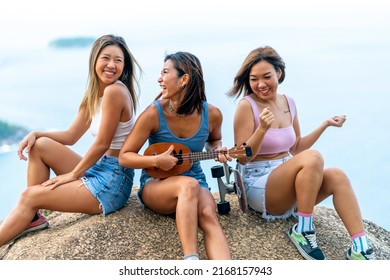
[
  {"x": 95, "y": 183},
  {"x": 284, "y": 177}
]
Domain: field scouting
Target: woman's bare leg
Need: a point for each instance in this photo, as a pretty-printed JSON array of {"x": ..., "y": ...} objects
[
  {"x": 297, "y": 180},
  {"x": 216, "y": 243},
  {"x": 69, "y": 197},
  {"x": 45, "y": 155},
  {"x": 336, "y": 183},
  {"x": 48, "y": 154},
  {"x": 178, "y": 194}
]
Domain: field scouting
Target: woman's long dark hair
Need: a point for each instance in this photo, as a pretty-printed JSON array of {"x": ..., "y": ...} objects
[{"x": 193, "y": 94}]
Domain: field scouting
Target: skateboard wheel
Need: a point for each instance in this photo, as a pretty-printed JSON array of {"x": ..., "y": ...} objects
[
  {"x": 223, "y": 207},
  {"x": 217, "y": 171}
]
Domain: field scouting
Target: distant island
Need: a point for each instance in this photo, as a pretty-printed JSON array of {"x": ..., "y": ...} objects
[
  {"x": 72, "y": 42},
  {"x": 11, "y": 134}
]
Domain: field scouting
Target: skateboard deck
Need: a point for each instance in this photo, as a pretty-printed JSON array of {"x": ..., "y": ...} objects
[{"x": 240, "y": 191}]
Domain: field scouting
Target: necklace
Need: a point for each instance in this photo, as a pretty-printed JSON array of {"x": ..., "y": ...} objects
[{"x": 173, "y": 111}]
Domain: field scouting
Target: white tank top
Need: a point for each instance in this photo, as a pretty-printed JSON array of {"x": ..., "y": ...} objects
[{"x": 121, "y": 132}]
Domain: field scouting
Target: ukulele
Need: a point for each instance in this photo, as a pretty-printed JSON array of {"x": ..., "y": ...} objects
[{"x": 186, "y": 157}]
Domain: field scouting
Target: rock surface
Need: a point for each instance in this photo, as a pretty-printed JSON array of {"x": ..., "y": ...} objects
[{"x": 136, "y": 233}]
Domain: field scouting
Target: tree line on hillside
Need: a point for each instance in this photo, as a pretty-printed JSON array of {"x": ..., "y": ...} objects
[{"x": 11, "y": 134}]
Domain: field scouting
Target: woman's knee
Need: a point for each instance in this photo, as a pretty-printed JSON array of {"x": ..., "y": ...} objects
[
  {"x": 336, "y": 177},
  {"x": 29, "y": 197},
  {"x": 41, "y": 144},
  {"x": 208, "y": 216},
  {"x": 313, "y": 159},
  {"x": 189, "y": 187}
]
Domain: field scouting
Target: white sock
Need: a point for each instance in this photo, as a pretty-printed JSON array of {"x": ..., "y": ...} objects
[{"x": 191, "y": 257}]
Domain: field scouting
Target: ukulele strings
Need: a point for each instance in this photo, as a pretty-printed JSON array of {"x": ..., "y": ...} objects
[{"x": 204, "y": 155}]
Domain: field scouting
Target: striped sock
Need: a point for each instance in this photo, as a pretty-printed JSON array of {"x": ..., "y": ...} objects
[
  {"x": 305, "y": 222},
  {"x": 360, "y": 242}
]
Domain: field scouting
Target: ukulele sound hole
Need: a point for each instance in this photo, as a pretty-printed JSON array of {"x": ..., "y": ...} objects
[{"x": 179, "y": 156}]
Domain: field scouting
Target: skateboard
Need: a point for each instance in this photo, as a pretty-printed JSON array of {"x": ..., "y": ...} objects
[
  {"x": 227, "y": 187},
  {"x": 240, "y": 191}
]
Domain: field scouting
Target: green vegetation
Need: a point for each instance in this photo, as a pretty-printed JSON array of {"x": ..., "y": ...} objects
[
  {"x": 10, "y": 134},
  {"x": 72, "y": 42}
]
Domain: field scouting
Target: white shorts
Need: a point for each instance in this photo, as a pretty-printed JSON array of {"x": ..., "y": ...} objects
[{"x": 255, "y": 176}]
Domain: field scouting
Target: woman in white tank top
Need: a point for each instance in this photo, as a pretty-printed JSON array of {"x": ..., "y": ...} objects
[{"x": 79, "y": 184}]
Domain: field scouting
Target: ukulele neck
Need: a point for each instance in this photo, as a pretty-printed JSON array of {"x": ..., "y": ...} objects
[{"x": 198, "y": 156}]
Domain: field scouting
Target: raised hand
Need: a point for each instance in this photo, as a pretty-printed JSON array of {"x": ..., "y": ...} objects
[
  {"x": 337, "y": 121},
  {"x": 266, "y": 118}
]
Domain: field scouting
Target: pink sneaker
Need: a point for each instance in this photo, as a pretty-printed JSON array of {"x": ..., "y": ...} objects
[{"x": 39, "y": 224}]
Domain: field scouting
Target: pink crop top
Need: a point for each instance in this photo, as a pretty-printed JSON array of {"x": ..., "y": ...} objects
[{"x": 276, "y": 140}]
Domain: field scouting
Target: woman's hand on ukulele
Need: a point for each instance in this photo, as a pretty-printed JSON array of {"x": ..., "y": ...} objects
[
  {"x": 223, "y": 156},
  {"x": 166, "y": 161}
]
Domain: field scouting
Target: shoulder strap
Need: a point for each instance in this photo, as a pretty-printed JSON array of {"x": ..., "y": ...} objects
[
  {"x": 255, "y": 111},
  {"x": 291, "y": 105}
]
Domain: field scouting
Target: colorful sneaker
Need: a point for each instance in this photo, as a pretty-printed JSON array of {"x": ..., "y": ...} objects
[
  {"x": 39, "y": 224},
  {"x": 306, "y": 244},
  {"x": 367, "y": 255}
]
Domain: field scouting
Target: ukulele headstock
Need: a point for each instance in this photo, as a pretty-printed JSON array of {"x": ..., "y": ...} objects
[{"x": 240, "y": 152}]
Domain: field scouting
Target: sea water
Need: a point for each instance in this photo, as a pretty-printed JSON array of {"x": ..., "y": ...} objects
[{"x": 41, "y": 89}]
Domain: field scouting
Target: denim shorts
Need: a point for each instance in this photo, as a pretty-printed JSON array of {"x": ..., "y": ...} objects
[
  {"x": 195, "y": 172},
  {"x": 255, "y": 176},
  {"x": 110, "y": 183}
]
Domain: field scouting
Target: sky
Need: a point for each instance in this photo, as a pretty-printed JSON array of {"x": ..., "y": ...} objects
[{"x": 28, "y": 23}]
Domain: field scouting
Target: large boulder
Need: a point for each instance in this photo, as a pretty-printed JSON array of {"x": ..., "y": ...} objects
[{"x": 136, "y": 233}]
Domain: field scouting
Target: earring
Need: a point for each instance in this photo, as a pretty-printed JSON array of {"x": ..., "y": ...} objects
[{"x": 182, "y": 86}]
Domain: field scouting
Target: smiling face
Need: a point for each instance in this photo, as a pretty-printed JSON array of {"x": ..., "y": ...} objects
[
  {"x": 110, "y": 64},
  {"x": 169, "y": 81},
  {"x": 263, "y": 80}
]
